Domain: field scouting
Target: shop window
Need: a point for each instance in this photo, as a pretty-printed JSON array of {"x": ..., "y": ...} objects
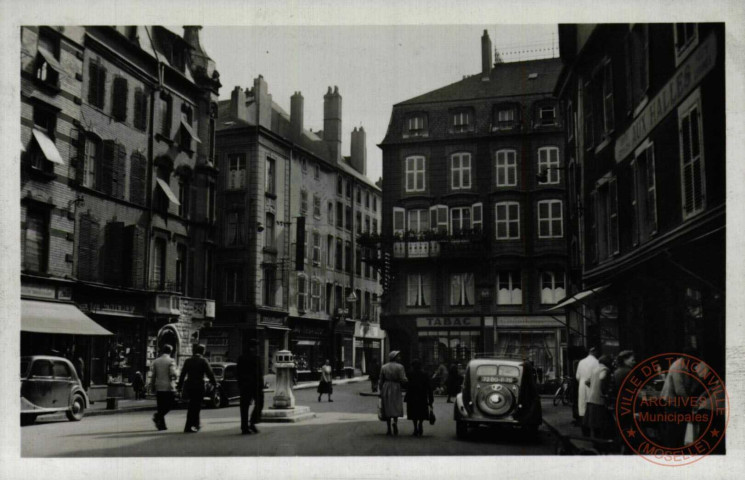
[
  {"x": 550, "y": 219},
  {"x": 236, "y": 171},
  {"x": 693, "y": 182},
  {"x": 418, "y": 290},
  {"x": 461, "y": 290},
  {"x": 509, "y": 288},
  {"x": 460, "y": 171},
  {"x": 36, "y": 240},
  {"x": 548, "y": 165},
  {"x": 507, "y": 220},
  {"x": 506, "y": 168},
  {"x": 553, "y": 288},
  {"x": 415, "y": 174}
]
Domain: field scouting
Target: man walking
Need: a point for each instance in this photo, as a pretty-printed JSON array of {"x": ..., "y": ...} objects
[
  {"x": 251, "y": 384},
  {"x": 584, "y": 372},
  {"x": 194, "y": 370},
  {"x": 161, "y": 382}
]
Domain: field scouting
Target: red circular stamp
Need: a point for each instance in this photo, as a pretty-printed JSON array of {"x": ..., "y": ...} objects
[{"x": 672, "y": 409}]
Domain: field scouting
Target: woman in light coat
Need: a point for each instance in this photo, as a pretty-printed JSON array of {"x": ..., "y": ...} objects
[{"x": 392, "y": 375}]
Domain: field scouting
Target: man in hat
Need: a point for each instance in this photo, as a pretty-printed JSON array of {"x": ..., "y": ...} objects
[
  {"x": 584, "y": 372},
  {"x": 191, "y": 381},
  {"x": 251, "y": 384},
  {"x": 162, "y": 383}
]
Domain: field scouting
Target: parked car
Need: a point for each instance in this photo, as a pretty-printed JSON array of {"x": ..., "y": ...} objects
[
  {"x": 498, "y": 391},
  {"x": 50, "y": 385},
  {"x": 227, "y": 385}
]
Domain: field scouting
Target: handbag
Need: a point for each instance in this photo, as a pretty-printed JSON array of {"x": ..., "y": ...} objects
[
  {"x": 431, "y": 416},
  {"x": 380, "y": 410}
]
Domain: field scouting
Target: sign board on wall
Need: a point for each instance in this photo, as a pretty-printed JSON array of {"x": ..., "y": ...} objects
[{"x": 448, "y": 322}]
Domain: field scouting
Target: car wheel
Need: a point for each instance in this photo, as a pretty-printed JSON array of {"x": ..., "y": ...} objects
[
  {"x": 28, "y": 419},
  {"x": 216, "y": 401},
  {"x": 77, "y": 409},
  {"x": 461, "y": 429}
]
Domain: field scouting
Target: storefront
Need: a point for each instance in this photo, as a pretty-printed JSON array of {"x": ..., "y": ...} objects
[
  {"x": 540, "y": 339},
  {"x": 369, "y": 341},
  {"x": 273, "y": 331},
  {"x": 309, "y": 342},
  {"x": 450, "y": 340}
]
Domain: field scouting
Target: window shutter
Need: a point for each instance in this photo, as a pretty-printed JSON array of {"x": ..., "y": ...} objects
[
  {"x": 133, "y": 254},
  {"x": 113, "y": 253},
  {"x": 477, "y": 213},
  {"x": 107, "y": 170},
  {"x": 593, "y": 212},
  {"x": 399, "y": 221},
  {"x": 442, "y": 219},
  {"x": 628, "y": 49},
  {"x": 101, "y": 91},
  {"x": 80, "y": 159},
  {"x": 119, "y": 99},
  {"x": 613, "y": 216},
  {"x": 651, "y": 192},
  {"x": 93, "y": 83},
  {"x": 139, "y": 110},
  {"x": 120, "y": 170},
  {"x": 88, "y": 248},
  {"x": 137, "y": 178}
]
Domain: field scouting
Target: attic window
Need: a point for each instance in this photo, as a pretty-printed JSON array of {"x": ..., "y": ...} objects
[
  {"x": 532, "y": 76},
  {"x": 416, "y": 126}
]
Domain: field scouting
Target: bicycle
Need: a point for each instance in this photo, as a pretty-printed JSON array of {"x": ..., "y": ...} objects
[{"x": 562, "y": 393}]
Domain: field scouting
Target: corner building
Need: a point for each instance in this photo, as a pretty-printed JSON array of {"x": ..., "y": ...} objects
[
  {"x": 646, "y": 148},
  {"x": 478, "y": 241},
  {"x": 290, "y": 271}
]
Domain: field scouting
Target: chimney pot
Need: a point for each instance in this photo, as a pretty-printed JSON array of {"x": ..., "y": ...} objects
[{"x": 486, "y": 61}]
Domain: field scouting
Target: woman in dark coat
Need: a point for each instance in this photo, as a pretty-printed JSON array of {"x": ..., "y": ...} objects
[
  {"x": 419, "y": 397},
  {"x": 453, "y": 382}
]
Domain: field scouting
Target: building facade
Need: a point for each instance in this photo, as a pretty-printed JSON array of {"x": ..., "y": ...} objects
[
  {"x": 290, "y": 208},
  {"x": 136, "y": 177},
  {"x": 646, "y": 150},
  {"x": 473, "y": 195}
]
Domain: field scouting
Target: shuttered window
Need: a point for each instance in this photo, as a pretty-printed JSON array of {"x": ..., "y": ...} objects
[
  {"x": 140, "y": 109},
  {"x": 35, "y": 241},
  {"x": 96, "y": 84},
  {"x": 137, "y": 178},
  {"x": 113, "y": 168},
  {"x": 88, "y": 248},
  {"x": 119, "y": 99}
]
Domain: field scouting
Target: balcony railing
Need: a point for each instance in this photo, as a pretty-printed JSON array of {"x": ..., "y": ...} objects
[
  {"x": 172, "y": 286},
  {"x": 437, "y": 244}
]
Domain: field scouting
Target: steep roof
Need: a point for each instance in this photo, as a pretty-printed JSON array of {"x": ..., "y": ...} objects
[{"x": 506, "y": 80}]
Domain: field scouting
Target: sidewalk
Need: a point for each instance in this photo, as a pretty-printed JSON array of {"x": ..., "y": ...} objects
[
  {"x": 99, "y": 408},
  {"x": 569, "y": 438}
]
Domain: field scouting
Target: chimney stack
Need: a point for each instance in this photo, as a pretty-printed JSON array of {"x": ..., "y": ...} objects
[
  {"x": 358, "y": 151},
  {"x": 332, "y": 123},
  {"x": 486, "y": 62},
  {"x": 263, "y": 102},
  {"x": 238, "y": 103},
  {"x": 296, "y": 115}
]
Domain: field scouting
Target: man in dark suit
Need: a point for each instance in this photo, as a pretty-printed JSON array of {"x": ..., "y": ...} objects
[
  {"x": 251, "y": 384},
  {"x": 194, "y": 370}
]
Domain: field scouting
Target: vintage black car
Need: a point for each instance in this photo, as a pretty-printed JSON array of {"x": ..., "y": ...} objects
[
  {"x": 50, "y": 385},
  {"x": 498, "y": 391},
  {"x": 227, "y": 385}
]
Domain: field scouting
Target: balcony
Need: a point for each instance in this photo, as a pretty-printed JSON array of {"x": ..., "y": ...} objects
[
  {"x": 173, "y": 286},
  {"x": 466, "y": 243}
]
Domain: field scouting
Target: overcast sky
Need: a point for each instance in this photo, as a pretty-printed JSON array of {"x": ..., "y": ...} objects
[{"x": 373, "y": 66}]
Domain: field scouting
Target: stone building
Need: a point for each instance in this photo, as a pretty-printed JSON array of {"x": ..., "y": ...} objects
[
  {"x": 473, "y": 195},
  {"x": 279, "y": 183},
  {"x": 138, "y": 175},
  {"x": 645, "y": 147}
]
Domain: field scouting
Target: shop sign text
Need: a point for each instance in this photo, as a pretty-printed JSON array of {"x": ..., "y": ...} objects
[{"x": 447, "y": 322}]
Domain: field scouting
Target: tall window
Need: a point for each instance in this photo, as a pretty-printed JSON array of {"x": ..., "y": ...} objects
[
  {"x": 233, "y": 284},
  {"x": 692, "y": 156},
  {"x": 606, "y": 218},
  {"x": 358, "y": 222},
  {"x": 235, "y": 228},
  {"x": 550, "y": 219},
  {"x": 269, "y": 238},
  {"x": 348, "y": 257},
  {"x": 35, "y": 241},
  {"x": 302, "y": 292},
  {"x": 339, "y": 254},
  {"x": 269, "y": 284},
  {"x": 236, "y": 171},
  {"x": 47, "y": 61},
  {"x": 303, "y": 202},
  {"x": 460, "y": 171},
  {"x": 415, "y": 174},
  {"x": 375, "y": 203},
  {"x": 509, "y": 288},
  {"x": 506, "y": 168},
  {"x": 367, "y": 223},
  {"x": 418, "y": 290},
  {"x": 330, "y": 213},
  {"x": 92, "y": 161},
  {"x": 316, "y": 171},
  {"x": 418, "y": 220},
  {"x": 119, "y": 94},
  {"x": 140, "y": 109},
  {"x": 358, "y": 196},
  {"x": 587, "y": 114},
  {"x": 339, "y": 185},
  {"x": 686, "y": 38},
  {"x": 348, "y": 217},
  {"x": 96, "y": 84},
  {"x": 330, "y": 251},
  {"x": 367, "y": 199},
  {"x": 548, "y": 163},
  {"x": 159, "y": 263},
  {"x": 644, "y": 194},
  {"x": 507, "y": 220},
  {"x": 358, "y": 261},
  {"x": 461, "y": 289},
  {"x": 181, "y": 265},
  {"x": 315, "y": 295},
  {"x": 316, "y": 248},
  {"x": 460, "y": 219},
  {"x": 349, "y": 189},
  {"x": 184, "y": 196},
  {"x": 166, "y": 114},
  {"x": 316, "y": 206},
  {"x": 547, "y": 115},
  {"x": 270, "y": 184},
  {"x": 339, "y": 215},
  {"x": 375, "y": 225},
  {"x": 553, "y": 287},
  {"x": 608, "y": 110}
]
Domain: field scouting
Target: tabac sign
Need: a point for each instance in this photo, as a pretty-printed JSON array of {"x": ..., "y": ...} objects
[
  {"x": 448, "y": 322},
  {"x": 695, "y": 67}
]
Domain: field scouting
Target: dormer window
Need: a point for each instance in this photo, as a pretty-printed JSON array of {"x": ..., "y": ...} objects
[
  {"x": 416, "y": 126},
  {"x": 461, "y": 121},
  {"x": 547, "y": 115},
  {"x": 504, "y": 117}
]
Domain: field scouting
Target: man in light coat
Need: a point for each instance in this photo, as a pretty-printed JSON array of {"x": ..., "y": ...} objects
[
  {"x": 162, "y": 383},
  {"x": 584, "y": 372}
]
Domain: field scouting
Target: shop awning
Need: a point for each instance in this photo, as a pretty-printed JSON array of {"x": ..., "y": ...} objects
[
  {"x": 60, "y": 318},
  {"x": 577, "y": 297},
  {"x": 276, "y": 327},
  {"x": 190, "y": 130},
  {"x": 167, "y": 190},
  {"x": 48, "y": 147},
  {"x": 307, "y": 343}
]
